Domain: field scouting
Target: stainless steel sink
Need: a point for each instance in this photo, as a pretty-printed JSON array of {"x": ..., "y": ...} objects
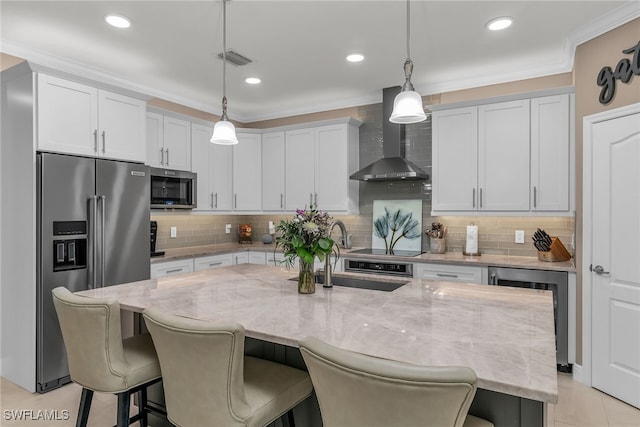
[{"x": 361, "y": 283}]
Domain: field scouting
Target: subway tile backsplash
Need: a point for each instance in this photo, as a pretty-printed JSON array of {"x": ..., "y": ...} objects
[{"x": 496, "y": 234}]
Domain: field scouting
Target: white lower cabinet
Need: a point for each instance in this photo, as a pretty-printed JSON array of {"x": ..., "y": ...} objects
[
  {"x": 259, "y": 258},
  {"x": 451, "y": 273},
  {"x": 171, "y": 267},
  {"x": 241, "y": 258},
  {"x": 213, "y": 261}
]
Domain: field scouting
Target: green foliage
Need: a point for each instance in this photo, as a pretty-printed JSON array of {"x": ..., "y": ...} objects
[{"x": 306, "y": 236}]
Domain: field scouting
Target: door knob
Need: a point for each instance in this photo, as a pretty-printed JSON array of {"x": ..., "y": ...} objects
[{"x": 598, "y": 269}]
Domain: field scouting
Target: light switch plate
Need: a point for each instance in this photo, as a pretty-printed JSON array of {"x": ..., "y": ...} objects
[
  {"x": 519, "y": 236},
  {"x": 174, "y": 232},
  {"x": 227, "y": 228}
]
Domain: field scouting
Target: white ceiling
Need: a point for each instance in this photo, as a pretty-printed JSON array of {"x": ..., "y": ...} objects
[{"x": 298, "y": 47}]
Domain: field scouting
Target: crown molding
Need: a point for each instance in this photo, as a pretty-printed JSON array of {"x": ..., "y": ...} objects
[{"x": 617, "y": 17}]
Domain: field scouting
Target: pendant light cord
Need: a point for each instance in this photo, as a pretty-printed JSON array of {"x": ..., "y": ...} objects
[
  {"x": 408, "y": 29},
  {"x": 224, "y": 60}
]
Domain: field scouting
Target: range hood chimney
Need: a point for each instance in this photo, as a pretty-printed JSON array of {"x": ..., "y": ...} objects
[{"x": 393, "y": 165}]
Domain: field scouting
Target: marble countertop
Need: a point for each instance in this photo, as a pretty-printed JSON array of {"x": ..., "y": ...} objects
[
  {"x": 446, "y": 258},
  {"x": 505, "y": 334}
]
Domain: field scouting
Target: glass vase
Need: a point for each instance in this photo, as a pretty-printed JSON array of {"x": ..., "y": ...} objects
[{"x": 306, "y": 278}]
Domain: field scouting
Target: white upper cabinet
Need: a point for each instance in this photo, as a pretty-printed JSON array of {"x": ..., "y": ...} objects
[
  {"x": 168, "y": 142},
  {"x": 273, "y": 171},
  {"x": 201, "y": 160},
  {"x": 455, "y": 159},
  {"x": 222, "y": 176},
  {"x": 247, "y": 172},
  {"x": 550, "y": 153},
  {"x": 79, "y": 119},
  {"x": 318, "y": 162},
  {"x": 300, "y": 168},
  {"x": 213, "y": 163},
  {"x": 503, "y": 157}
]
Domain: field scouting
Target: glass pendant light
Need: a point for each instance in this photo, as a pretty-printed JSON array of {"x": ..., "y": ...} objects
[
  {"x": 224, "y": 133},
  {"x": 407, "y": 106}
]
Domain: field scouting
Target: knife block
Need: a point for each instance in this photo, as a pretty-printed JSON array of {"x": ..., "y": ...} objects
[{"x": 557, "y": 252}]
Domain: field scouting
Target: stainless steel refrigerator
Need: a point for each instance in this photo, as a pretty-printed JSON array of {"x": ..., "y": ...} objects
[{"x": 92, "y": 231}]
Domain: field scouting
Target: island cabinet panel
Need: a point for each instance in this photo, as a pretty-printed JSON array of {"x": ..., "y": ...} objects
[
  {"x": 273, "y": 171},
  {"x": 451, "y": 273},
  {"x": 75, "y": 118},
  {"x": 213, "y": 261},
  {"x": 318, "y": 162},
  {"x": 512, "y": 156},
  {"x": 168, "y": 142},
  {"x": 171, "y": 267},
  {"x": 247, "y": 172}
]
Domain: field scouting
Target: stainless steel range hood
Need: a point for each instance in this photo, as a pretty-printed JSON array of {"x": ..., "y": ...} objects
[{"x": 393, "y": 165}]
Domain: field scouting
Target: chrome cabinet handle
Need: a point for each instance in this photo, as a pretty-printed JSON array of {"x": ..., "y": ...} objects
[
  {"x": 598, "y": 269},
  {"x": 211, "y": 199},
  {"x": 175, "y": 270},
  {"x": 104, "y": 142},
  {"x": 315, "y": 202},
  {"x": 281, "y": 200},
  {"x": 95, "y": 140},
  {"x": 534, "y": 196},
  {"x": 473, "y": 199},
  {"x": 235, "y": 201},
  {"x": 167, "y": 150},
  {"x": 310, "y": 199},
  {"x": 216, "y": 205},
  {"x": 161, "y": 156},
  {"x": 213, "y": 264},
  {"x": 481, "y": 198},
  {"x": 446, "y": 275}
]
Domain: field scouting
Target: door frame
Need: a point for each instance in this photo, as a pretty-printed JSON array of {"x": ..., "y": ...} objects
[{"x": 584, "y": 373}]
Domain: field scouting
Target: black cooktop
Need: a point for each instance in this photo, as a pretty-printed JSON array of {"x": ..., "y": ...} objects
[{"x": 372, "y": 251}]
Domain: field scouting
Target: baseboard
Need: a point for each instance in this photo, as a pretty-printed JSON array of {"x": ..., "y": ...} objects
[{"x": 579, "y": 374}]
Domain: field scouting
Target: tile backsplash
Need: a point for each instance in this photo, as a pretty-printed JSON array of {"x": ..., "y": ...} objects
[{"x": 496, "y": 234}]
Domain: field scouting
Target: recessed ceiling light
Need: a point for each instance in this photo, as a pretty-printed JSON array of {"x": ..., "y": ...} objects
[
  {"x": 498, "y": 24},
  {"x": 252, "y": 80},
  {"x": 118, "y": 21},
  {"x": 355, "y": 57}
]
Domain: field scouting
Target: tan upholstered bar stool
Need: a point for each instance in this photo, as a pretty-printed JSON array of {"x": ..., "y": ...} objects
[
  {"x": 208, "y": 381},
  {"x": 358, "y": 390},
  {"x": 99, "y": 360}
]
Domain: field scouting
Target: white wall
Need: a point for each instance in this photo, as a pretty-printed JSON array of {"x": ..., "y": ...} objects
[{"x": 18, "y": 229}]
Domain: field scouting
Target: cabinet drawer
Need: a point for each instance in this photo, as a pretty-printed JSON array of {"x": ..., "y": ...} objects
[
  {"x": 171, "y": 267},
  {"x": 451, "y": 273},
  {"x": 213, "y": 261},
  {"x": 257, "y": 258}
]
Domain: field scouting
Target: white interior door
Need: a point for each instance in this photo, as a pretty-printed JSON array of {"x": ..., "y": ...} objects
[{"x": 615, "y": 257}]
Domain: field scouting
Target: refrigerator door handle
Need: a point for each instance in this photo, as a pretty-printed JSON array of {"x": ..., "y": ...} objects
[
  {"x": 103, "y": 199},
  {"x": 93, "y": 278}
]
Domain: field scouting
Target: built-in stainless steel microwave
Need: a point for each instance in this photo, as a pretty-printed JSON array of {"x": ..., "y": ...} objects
[{"x": 173, "y": 189}]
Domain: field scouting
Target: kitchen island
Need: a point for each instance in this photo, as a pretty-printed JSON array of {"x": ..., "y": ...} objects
[{"x": 506, "y": 335}]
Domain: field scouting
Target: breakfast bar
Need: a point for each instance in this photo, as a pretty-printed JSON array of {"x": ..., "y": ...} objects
[{"x": 506, "y": 335}]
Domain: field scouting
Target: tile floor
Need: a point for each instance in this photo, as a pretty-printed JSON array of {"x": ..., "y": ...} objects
[{"x": 578, "y": 406}]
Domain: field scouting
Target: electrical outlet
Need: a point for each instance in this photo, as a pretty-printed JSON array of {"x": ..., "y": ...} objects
[
  {"x": 227, "y": 228},
  {"x": 174, "y": 232},
  {"x": 519, "y": 236}
]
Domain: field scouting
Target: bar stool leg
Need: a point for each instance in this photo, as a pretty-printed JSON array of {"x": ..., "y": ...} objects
[
  {"x": 124, "y": 400},
  {"x": 143, "y": 407},
  {"x": 84, "y": 407}
]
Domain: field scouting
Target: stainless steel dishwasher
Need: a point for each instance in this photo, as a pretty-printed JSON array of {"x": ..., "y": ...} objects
[{"x": 554, "y": 281}]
